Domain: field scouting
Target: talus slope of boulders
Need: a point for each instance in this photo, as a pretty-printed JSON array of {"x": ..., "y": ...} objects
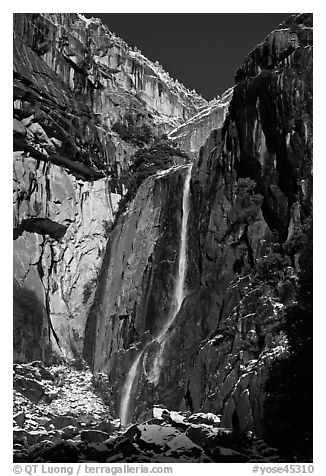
[{"x": 60, "y": 417}]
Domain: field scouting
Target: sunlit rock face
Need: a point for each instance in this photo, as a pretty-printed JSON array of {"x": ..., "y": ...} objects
[
  {"x": 191, "y": 135},
  {"x": 60, "y": 226},
  {"x": 73, "y": 81}
]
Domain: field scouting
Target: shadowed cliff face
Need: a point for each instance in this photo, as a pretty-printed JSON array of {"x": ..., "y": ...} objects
[{"x": 246, "y": 269}]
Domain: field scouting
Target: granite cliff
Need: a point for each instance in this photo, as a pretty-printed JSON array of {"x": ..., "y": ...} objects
[
  {"x": 84, "y": 102},
  {"x": 192, "y": 134},
  {"x": 96, "y": 275}
]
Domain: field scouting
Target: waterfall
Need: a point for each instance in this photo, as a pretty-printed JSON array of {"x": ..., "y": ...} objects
[
  {"x": 179, "y": 292},
  {"x": 178, "y": 297},
  {"x": 124, "y": 407}
]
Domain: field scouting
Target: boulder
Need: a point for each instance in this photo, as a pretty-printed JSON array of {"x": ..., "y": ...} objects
[
  {"x": 18, "y": 447},
  {"x": 54, "y": 437},
  {"x": 272, "y": 459},
  {"x": 115, "y": 458},
  {"x": 50, "y": 396},
  {"x": 20, "y": 418},
  {"x": 18, "y": 127},
  {"x": 132, "y": 432},
  {"x": 198, "y": 434},
  {"x": 27, "y": 371},
  {"x": 61, "y": 421},
  {"x": 30, "y": 388},
  {"x": 105, "y": 426},
  {"x": 182, "y": 445},
  {"x": 36, "y": 436},
  {"x": 110, "y": 442},
  {"x": 165, "y": 415},
  {"x": 177, "y": 417},
  {"x": 33, "y": 451},
  {"x": 43, "y": 421},
  {"x": 69, "y": 432},
  {"x": 19, "y": 435},
  {"x": 205, "y": 418},
  {"x": 126, "y": 447},
  {"x": 169, "y": 459},
  {"x": 30, "y": 424},
  {"x": 116, "y": 423},
  {"x": 211, "y": 440},
  {"x": 87, "y": 419},
  {"x": 178, "y": 421},
  {"x": 157, "y": 411},
  {"x": 19, "y": 457},
  {"x": 155, "y": 421},
  {"x": 64, "y": 452},
  {"x": 147, "y": 415},
  {"x": 46, "y": 374},
  {"x": 151, "y": 437},
  {"x": 95, "y": 452},
  {"x": 94, "y": 436},
  {"x": 269, "y": 452},
  {"x": 226, "y": 455},
  {"x": 165, "y": 440}
]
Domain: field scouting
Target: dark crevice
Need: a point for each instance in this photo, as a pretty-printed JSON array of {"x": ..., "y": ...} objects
[
  {"x": 47, "y": 308},
  {"x": 250, "y": 253},
  {"x": 42, "y": 226},
  {"x": 220, "y": 315},
  {"x": 32, "y": 185},
  {"x": 188, "y": 400},
  {"x": 46, "y": 294},
  {"x": 235, "y": 421}
]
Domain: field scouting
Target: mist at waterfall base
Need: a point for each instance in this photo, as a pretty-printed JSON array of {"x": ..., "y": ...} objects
[{"x": 178, "y": 297}]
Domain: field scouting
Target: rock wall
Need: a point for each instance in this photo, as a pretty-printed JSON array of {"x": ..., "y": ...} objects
[
  {"x": 73, "y": 81},
  {"x": 268, "y": 138},
  {"x": 82, "y": 80},
  {"x": 250, "y": 193},
  {"x": 191, "y": 135},
  {"x": 60, "y": 231},
  {"x": 137, "y": 281}
]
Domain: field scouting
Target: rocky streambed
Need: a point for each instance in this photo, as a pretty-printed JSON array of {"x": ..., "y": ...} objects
[{"x": 60, "y": 416}]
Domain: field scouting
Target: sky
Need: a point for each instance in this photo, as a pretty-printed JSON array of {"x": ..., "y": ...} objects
[{"x": 201, "y": 50}]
